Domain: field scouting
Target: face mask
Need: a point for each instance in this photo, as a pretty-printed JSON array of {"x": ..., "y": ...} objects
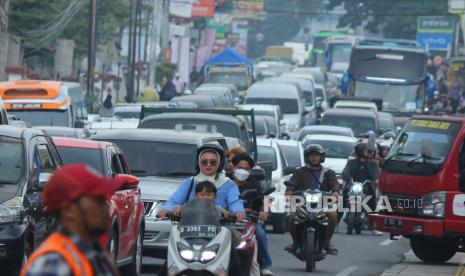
[{"x": 241, "y": 174}]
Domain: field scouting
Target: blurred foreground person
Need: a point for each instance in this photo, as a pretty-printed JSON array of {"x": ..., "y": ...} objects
[{"x": 76, "y": 194}]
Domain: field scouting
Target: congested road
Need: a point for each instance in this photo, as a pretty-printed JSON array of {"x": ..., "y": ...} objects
[{"x": 358, "y": 255}]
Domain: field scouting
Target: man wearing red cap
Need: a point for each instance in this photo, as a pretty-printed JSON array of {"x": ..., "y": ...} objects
[{"x": 76, "y": 194}]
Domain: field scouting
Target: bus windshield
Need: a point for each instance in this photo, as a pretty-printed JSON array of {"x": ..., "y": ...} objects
[
  {"x": 402, "y": 98},
  {"x": 43, "y": 117}
]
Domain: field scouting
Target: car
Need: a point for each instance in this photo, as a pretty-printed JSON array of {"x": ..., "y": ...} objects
[
  {"x": 27, "y": 157},
  {"x": 269, "y": 110},
  {"x": 113, "y": 123},
  {"x": 269, "y": 151},
  {"x": 289, "y": 98},
  {"x": 125, "y": 237},
  {"x": 226, "y": 125},
  {"x": 162, "y": 159},
  {"x": 316, "y": 72},
  {"x": 360, "y": 121},
  {"x": 201, "y": 101},
  {"x": 223, "y": 93},
  {"x": 262, "y": 128},
  {"x": 293, "y": 152},
  {"x": 324, "y": 129},
  {"x": 338, "y": 149},
  {"x": 308, "y": 90},
  {"x": 366, "y": 105},
  {"x": 231, "y": 87},
  {"x": 320, "y": 94},
  {"x": 227, "y": 90},
  {"x": 63, "y": 131}
]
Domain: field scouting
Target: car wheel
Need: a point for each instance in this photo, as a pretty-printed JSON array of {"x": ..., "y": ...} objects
[{"x": 134, "y": 268}]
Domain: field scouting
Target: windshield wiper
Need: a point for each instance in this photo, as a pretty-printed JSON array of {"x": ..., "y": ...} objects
[
  {"x": 174, "y": 173},
  {"x": 397, "y": 155},
  {"x": 424, "y": 157}
]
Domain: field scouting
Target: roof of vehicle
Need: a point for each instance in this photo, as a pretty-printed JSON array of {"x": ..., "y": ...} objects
[
  {"x": 115, "y": 124},
  {"x": 79, "y": 143},
  {"x": 329, "y": 137},
  {"x": 265, "y": 142},
  {"x": 392, "y": 48},
  {"x": 327, "y": 128},
  {"x": 228, "y": 85},
  {"x": 60, "y": 131},
  {"x": 266, "y": 107},
  {"x": 273, "y": 90},
  {"x": 127, "y": 108},
  {"x": 211, "y": 88},
  {"x": 19, "y": 132},
  {"x": 193, "y": 116},
  {"x": 304, "y": 84},
  {"x": 166, "y": 135},
  {"x": 352, "y": 112},
  {"x": 355, "y": 104},
  {"x": 293, "y": 143}
]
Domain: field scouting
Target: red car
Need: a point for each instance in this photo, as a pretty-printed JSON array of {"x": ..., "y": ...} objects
[{"x": 124, "y": 241}]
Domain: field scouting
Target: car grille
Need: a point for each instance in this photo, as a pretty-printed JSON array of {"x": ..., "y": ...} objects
[{"x": 404, "y": 204}]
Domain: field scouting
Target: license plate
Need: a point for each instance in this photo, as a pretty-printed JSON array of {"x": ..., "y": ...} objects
[
  {"x": 393, "y": 223},
  {"x": 198, "y": 231},
  {"x": 26, "y": 106}
]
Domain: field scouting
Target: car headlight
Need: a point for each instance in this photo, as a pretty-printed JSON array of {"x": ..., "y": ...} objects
[
  {"x": 152, "y": 213},
  {"x": 11, "y": 210},
  {"x": 434, "y": 204},
  {"x": 357, "y": 188}
]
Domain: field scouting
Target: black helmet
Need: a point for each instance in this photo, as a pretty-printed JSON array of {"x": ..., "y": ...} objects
[
  {"x": 243, "y": 156},
  {"x": 211, "y": 146},
  {"x": 315, "y": 148},
  {"x": 360, "y": 149}
]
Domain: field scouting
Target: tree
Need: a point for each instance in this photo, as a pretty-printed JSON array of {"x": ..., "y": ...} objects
[{"x": 392, "y": 18}]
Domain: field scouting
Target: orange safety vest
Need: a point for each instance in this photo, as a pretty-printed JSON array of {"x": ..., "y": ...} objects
[{"x": 63, "y": 246}]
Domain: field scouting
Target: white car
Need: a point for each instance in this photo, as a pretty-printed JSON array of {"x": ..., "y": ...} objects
[
  {"x": 293, "y": 151},
  {"x": 338, "y": 149},
  {"x": 268, "y": 110},
  {"x": 269, "y": 151},
  {"x": 357, "y": 105}
]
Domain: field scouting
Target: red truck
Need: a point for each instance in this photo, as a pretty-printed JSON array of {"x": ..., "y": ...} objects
[{"x": 423, "y": 179}]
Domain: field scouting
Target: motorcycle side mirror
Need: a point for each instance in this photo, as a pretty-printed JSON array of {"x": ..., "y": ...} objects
[
  {"x": 43, "y": 179},
  {"x": 269, "y": 191},
  {"x": 258, "y": 174},
  {"x": 248, "y": 193}
]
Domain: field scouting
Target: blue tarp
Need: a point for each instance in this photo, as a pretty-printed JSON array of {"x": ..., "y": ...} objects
[{"x": 229, "y": 56}]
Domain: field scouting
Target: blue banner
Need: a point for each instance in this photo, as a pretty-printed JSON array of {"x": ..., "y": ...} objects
[{"x": 435, "y": 41}]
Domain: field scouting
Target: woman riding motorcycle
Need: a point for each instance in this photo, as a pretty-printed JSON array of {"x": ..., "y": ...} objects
[{"x": 209, "y": 166}]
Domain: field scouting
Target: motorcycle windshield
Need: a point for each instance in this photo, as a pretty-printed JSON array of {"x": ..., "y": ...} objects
[{"x": 200, "y": 219}]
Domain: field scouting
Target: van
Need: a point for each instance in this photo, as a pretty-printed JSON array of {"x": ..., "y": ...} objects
[{"x": 286, "y": 95}]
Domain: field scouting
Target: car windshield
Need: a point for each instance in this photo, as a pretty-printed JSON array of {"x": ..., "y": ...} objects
[
  {"x": 292, "y": 155},
  {"x": 91, "y": 157},
  {"x": 225, "y": 128},
  {"x": 43, "y": 117},
  {"x": 267, "y": 154},
  {"x": 359, "y": 125},
  {"x": 416, "y": 132},
  {"x": 308, "y": 96},
  {"x": 11, "y": 160},
  {"x": 341, "y": 53},
  {"x": 287, "y": 106},
  {"x": 401, "y": 98},
  {"x": 334, "y": 149},
  {"x": 158, "y": 158},
  {"x": 239, "y": 79}
]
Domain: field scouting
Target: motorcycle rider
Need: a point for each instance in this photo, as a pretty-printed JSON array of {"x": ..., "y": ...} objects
[
  {"x": 210, "y": 161},
  {"x": 360, "y": 169},
  {"x": 243, "y": 164},
  {"x": 314, "y": 176}
]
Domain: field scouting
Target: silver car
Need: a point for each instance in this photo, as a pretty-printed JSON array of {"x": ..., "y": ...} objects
[{"x": 162, "y": 159}]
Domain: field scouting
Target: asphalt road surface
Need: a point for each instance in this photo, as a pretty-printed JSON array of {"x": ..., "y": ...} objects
[{"x": 359, "y": 255}]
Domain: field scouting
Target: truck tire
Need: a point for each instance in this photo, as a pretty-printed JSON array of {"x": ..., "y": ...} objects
[{"x": 433, "y": 250}]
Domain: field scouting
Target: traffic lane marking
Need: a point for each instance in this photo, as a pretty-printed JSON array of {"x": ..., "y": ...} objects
[
  {"x": 388, "y": 242},
  {"x": 347, "y": 271},
  {"x": 461, "y": 270}
]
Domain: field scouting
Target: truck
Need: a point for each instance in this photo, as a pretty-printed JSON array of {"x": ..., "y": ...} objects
[
  {"x": 279, "y": 53},
  {"x": 423, "y": 188}
]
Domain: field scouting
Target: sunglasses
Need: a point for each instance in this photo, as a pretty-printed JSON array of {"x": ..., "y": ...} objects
[{"x": 211, "y": 162}]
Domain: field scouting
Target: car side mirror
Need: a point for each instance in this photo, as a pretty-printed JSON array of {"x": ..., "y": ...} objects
[
  {"x": 290, "y": 170},
  {"x": 129, "y": 180},
  {"x": 43, "y": 179}
]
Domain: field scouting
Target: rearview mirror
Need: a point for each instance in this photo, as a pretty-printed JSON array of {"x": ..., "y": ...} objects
[
  {"x": 290, "y": 170},
  {"x": 129, "y": 180},
  {"x": 426, "y": 145},
  {"x": 43, "y": 179}
]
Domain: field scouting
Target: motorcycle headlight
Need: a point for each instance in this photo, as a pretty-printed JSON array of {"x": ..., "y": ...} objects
[
  {"x": 433, "y": 204},
  {"x": 11, "y": 210},
  {"x": 312, "y": 198},
  {"x": 207, "y": 255},
  {"x": 187, "y": 254},
  {"x": 357, "y": 188},
  {"x": 203, "y": 255},
  {"x": 241, "y": 245}
]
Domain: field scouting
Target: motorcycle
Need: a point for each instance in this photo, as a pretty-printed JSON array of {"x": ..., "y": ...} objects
[
  {"x": 199, "y": 245},
  {"x": 357, "y": 218},
  {"x": 311, "y": 226}
]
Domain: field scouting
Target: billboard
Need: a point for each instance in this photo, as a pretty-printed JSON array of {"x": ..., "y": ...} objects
[
  {"x": 181, "y": 8},
  {"x": 203, "y": 8},
  {"x": 435, "y": 41},
  {"x": 248, "y": 9},
  {"x": 437, "y": 32}
]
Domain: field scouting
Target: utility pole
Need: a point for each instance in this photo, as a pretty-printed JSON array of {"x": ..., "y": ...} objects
[
  {"x": 131, "y": 65},
  {"x": 91, "y": 45},
  {"x": 139, "y": 43}
]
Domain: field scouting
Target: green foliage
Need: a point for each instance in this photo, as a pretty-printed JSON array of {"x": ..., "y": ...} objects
[
  {"x": 393, "y": 18},
  {"x": 165, "y": 70}
]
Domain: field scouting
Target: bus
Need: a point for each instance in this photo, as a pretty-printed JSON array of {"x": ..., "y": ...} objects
[
  {"x": 316, "y": 57},
  {"x": 45, "y": 103},
  {"x": 395, "y": 75}
]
